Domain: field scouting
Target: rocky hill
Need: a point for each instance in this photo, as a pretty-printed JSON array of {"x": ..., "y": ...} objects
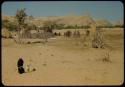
[{"x": 67, "y": 20}]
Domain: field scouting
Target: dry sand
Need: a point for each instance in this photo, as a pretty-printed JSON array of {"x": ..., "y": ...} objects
[{"x": 63, "y": 64}]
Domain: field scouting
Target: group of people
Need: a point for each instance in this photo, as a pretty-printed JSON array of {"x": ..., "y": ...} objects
[
  {"x": 21, "y": 68},
  {"x": 57, "y": 34},
  {"x": 69, "y": 34}
]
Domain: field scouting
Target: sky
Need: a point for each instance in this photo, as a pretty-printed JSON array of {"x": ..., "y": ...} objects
[{"x": 110, "y": 10}]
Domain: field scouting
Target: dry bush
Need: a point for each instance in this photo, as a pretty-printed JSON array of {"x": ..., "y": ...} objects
[
  {"x": 106, "y": 58},
  {"x": 6, "y": 33},
  {"x": 98, "y": 39}
]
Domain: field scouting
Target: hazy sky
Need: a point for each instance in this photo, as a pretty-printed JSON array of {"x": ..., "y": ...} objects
[{"x": 111, "y": 10}]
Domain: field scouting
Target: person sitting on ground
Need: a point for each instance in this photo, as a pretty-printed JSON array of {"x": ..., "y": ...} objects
[
  {"x": 29, "y": 68},
  {"x": 20, "y": 66}
]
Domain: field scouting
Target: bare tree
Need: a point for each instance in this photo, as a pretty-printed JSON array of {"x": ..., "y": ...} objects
[
  {"x": 48, "y": 27},
  {"x": 20, "y": 17}
]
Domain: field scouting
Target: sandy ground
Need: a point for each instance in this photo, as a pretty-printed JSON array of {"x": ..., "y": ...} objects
[{"x": 63, "y": 64}]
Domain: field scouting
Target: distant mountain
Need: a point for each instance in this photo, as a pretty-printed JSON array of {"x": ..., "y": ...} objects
[
  {"x": 77, "y": 20},
  {"x": 10, "y": 18},
  {"x": 67, "y": 20},
  {"x": 103, "y": 22},
  {"x": 119, "y": 22}
]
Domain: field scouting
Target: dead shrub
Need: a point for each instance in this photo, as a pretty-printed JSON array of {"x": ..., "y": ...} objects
[
  {"x": 98, "y": 39},
  {"x": 106, "y": 58}
]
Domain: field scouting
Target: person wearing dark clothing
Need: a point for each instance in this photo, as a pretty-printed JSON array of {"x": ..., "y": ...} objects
[
  {"x": 21, "y": 70},
  {"x": 20, "y": 66}
]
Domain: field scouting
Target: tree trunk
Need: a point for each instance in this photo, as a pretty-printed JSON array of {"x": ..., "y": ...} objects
[
  {"x": 19, "y": 39},
  {"x": 45, "y": 33}
]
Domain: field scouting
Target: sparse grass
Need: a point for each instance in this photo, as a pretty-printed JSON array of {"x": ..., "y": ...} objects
[
  {"x": 76, "y": 60},
  {"x": 104, "y": 56},
  {"x": 68, "y": 43},
  {"x": 113, "y": 38}
]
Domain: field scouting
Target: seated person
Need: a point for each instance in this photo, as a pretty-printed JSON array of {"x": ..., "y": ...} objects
[{"x": 20, "y": 66}]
